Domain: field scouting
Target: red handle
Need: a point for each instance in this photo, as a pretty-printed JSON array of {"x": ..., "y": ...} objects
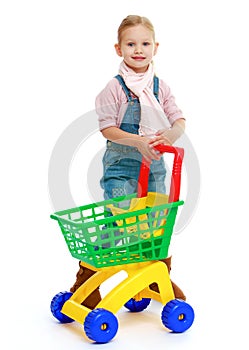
[{"x": 175, "y": 183}]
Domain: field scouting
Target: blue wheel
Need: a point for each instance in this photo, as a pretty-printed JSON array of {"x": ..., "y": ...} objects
[
  {"x": 57, "y": 304},
  {"x": 101, "y": 325},
  {"x": 137, "y": 306},
  {"x": 177, "y": 316}
]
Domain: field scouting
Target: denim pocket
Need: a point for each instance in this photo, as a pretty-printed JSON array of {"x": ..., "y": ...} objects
[{"x": 111, "y": 157}]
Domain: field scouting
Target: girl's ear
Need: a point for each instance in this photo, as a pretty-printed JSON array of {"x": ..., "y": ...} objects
[
  {"x": 118, "y": 50},
  {"x": 155, "y": 49}
]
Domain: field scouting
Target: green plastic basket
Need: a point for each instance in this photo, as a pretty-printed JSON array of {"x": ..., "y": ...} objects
[{"x": 97, "y": 237}]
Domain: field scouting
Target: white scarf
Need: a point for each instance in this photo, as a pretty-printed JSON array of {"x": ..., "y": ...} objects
[{"x": 153, "y": 117}]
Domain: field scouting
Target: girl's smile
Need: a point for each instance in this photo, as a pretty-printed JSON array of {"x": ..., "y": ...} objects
[{"x": 138, "y": 58}]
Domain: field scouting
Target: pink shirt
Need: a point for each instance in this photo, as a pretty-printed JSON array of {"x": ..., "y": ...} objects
[{"x": 111, "y": 104}]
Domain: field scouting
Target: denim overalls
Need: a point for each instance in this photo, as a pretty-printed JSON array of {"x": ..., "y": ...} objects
[{"x": 121, "y": 164}]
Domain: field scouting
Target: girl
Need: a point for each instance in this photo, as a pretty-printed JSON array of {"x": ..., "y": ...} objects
[{"x": 136, "y": 112}]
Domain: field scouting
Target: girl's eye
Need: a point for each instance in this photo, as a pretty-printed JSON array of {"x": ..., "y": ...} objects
[
  {"x": 146, "y": 43},
  {"x": 130, "y": 44}
]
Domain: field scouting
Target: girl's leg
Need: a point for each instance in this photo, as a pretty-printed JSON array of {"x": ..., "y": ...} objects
[
  {"x": 120, "y": 175},
  {"x": 83, "y": 275},
  {"x": 157, "y": 176}
]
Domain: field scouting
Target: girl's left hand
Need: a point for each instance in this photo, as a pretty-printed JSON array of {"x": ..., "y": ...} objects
[
  {"x": 169, "y": 136},
  {"x": 162, "y": 137}
]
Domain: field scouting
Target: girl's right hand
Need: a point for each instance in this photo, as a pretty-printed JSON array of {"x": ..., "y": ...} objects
[{"x": 147, "y": 150}]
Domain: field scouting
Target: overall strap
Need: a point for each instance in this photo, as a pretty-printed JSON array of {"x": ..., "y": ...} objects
[
  {"x": 156, "y": 87},
  {"x": 125, "y": 88}
]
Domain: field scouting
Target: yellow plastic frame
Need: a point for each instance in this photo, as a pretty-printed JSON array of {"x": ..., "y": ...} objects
[{"x": 136, "y": 285}]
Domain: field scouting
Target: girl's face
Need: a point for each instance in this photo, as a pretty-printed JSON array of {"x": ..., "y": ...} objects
[{"x": 137, "y": 47}]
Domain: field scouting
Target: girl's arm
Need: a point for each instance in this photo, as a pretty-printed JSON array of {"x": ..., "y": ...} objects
[
  {"x": 125, "y": 138},
  {"x": 169, "y": 136}
]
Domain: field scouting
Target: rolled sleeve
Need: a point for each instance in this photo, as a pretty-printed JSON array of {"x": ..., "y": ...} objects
[
  {"x": 107, "y": 105},
  {"x": 171, "y": 110}
]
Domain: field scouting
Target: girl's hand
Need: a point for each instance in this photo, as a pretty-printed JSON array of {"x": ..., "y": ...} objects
[
  {"x": 169, "y": 136},
  {"x": 162, "y": 137},
  {"x": 146, "y": 149}
]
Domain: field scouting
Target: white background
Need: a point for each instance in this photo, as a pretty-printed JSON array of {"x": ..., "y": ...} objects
[{"x": 55, "y": 57}]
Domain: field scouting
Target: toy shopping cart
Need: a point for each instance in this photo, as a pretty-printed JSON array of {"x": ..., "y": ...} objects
[{"x": 130, "y": 234}]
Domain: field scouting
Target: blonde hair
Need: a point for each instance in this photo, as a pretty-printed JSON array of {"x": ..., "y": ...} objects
[{"x": 133, "y": 20}]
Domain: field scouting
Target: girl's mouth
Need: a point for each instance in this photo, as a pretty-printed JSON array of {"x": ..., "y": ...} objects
[{"x": 138, "y": 58}]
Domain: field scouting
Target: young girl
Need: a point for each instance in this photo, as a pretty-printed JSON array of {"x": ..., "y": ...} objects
[{"x": 136, "y": 112}]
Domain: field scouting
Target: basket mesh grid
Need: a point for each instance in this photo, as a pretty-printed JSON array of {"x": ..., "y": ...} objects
[{"x": 97, "y": 237}]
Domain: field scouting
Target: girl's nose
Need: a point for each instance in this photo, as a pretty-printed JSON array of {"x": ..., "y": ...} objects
[{"x": 138, "y": 49}]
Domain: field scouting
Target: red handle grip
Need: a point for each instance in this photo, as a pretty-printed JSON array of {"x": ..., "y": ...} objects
[{"x": 175, "y": 184}]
